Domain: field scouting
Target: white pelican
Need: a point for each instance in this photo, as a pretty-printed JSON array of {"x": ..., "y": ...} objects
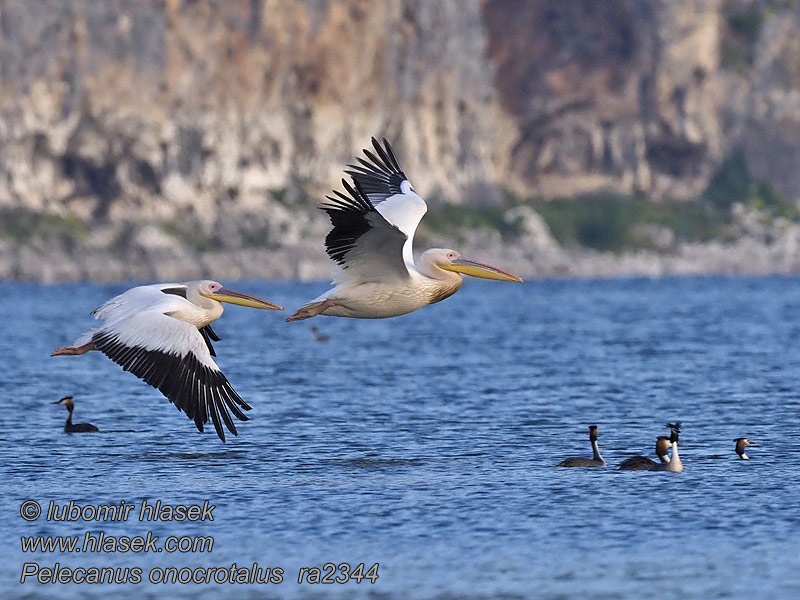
[
  {"x": 674, "y": 465},
  {"x": 642, "y": 463},
  {"x": 741, "y": 446},
  {"x": 371, "y": 240},
  {"x": 69, "y": 426},
  {"x": 161, "y": 333},
  {"x": 578, "y": 461}
]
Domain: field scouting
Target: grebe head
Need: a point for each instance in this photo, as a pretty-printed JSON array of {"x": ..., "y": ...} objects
[
  {"x": 662, "y": 447},
  {"x": 592, "y": 433},
  {"x": 675, "y": 431},
  {"x": 741, "y": 446},
  {"x": 66, "y": 401}
]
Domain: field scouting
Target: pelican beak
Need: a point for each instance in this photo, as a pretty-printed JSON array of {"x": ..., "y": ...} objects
[
  {"x": 476, "y": 269},
  {"x": 226, "y": 295}
]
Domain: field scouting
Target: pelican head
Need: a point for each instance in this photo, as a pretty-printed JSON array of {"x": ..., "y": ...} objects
[
  {"x": 215, "y": 291},
  {"x": 66, "y": 401},
  {"x": 741, "y": 446},
  {"x": 450, "y": 260}
]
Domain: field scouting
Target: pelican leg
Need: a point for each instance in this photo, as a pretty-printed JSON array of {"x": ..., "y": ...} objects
[
  {"x": 312, "y": 310},
  {"x": 73, "y": 350}
]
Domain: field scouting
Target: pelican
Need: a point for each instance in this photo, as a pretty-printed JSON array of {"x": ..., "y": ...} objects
[
  {"x": 674, "y": 465},
  {"x": 162, "y": 334},
  {"x": 642, "y": 463},
  {"x": 69, "y": 426},
  {"x": 741, "y": 445},
  {"x": 579, "y": 461},
  {"x": 371, "y": 240}
]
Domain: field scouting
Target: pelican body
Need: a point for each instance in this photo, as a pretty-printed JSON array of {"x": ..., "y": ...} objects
[
  {"x": 642, "y": 463},
  {"x": 741, "y": 446},
  {"x": 578, "y": 461},
  {"x": 372, "y": 242},
  {"x": 674, "y": 465},
  {"x": 162, "y": 334},
  {"x": 69, "y": 426}
]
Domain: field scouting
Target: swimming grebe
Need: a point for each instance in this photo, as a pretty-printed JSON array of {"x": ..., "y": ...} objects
[
  {"x": 578, "y": 461},
  {"x": 318, "y": 337},
  {"x": 741, "y": 445},
  {"x": 674, "y": 465},
  {"x": 69, "y": 426},
  {"x": 642, "y": 463}
]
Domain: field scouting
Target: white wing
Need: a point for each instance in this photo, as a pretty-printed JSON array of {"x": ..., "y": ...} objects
[
  {"x": 138, "y": 299},
  {"x": 390, "y": 192},
  {"x": 170, "y": 355},
  {"x": 366, "y": 246}
]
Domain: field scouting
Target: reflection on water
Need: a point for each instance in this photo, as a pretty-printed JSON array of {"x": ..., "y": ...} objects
[{"x": 427, "y": 443}]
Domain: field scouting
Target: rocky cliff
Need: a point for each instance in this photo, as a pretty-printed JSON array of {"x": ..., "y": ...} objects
[{"x": 176, "y": 138}]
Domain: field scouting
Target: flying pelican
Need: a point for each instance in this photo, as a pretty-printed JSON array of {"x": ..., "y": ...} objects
[
  {"x": 579, "y": 461},
  {"x": 642, "y": 463},
  {"x": 162, "y": 334},
  {"x": 69, "y": 426},
  {"x": 674, "y": 465},
  {"x": 371, "y": 240},
  {"x": 741, "y": 446}
]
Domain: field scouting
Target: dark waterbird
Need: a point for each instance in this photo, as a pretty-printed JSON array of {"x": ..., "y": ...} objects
[
  {"x": 642, "y": 463},
  {"x": 579, "y": 461},
  {"x": 674, "y": 465},
  {"x": 69, "y": 426},
  {"x": 741, "y": 445}
]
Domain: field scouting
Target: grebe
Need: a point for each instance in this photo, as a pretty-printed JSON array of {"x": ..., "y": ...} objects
[
  {"x": 371, "y": 241},
  {"x": 69, "y": 426},
  {"x": 578, "y": 461},
  {"x": 741, "y": 445},
  {"x": 642, "y": 463},
  {"x": 318, "y": 337},
  {"x": 162, "y": 334},
  {"x": 674, "y": 465}
]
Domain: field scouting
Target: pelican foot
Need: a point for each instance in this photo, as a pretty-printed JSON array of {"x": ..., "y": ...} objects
[
  {"x": 73, "y": 350},
  {"x": 311, "y": 310}
]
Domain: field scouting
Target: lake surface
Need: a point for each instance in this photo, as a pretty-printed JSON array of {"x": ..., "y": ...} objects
[{"x": 428, "y": 443}]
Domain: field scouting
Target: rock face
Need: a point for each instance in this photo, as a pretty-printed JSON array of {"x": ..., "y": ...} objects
[{"x": 173, "y": 139}]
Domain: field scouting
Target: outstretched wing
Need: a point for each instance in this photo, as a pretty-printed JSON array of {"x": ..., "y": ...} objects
[
  {"x": 137, "y": 299},
  {"x": 390, "y": 191},
  {"x": 362, "y": 241},
  {"x": 173, "y": 357}
]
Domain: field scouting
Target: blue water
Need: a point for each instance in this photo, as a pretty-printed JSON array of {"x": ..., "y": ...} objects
[{"x": 427, "y": 443}]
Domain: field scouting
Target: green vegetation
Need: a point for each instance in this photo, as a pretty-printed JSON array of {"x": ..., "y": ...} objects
[
  {"x": 612, "y": 222},
  {"x": 734, "y": 183},
  {"x": 615, "y": 222},
  {"x": 24, "y": 224},
  {"x": 455, "y": 221},
  {"x": 743, "y": 28},
  {"x": 189, "y": 236}
]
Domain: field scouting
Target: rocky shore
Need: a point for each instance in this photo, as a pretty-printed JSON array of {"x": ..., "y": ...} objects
[{"x": 176, "y": 139}]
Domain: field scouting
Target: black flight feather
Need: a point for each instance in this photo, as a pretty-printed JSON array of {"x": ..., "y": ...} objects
[
  {"x": 197, "y": 390},
  {"x": 380, "y": 176},
  {"x": 208, "y": 335},
  {"x": 349, "y": 217}
]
